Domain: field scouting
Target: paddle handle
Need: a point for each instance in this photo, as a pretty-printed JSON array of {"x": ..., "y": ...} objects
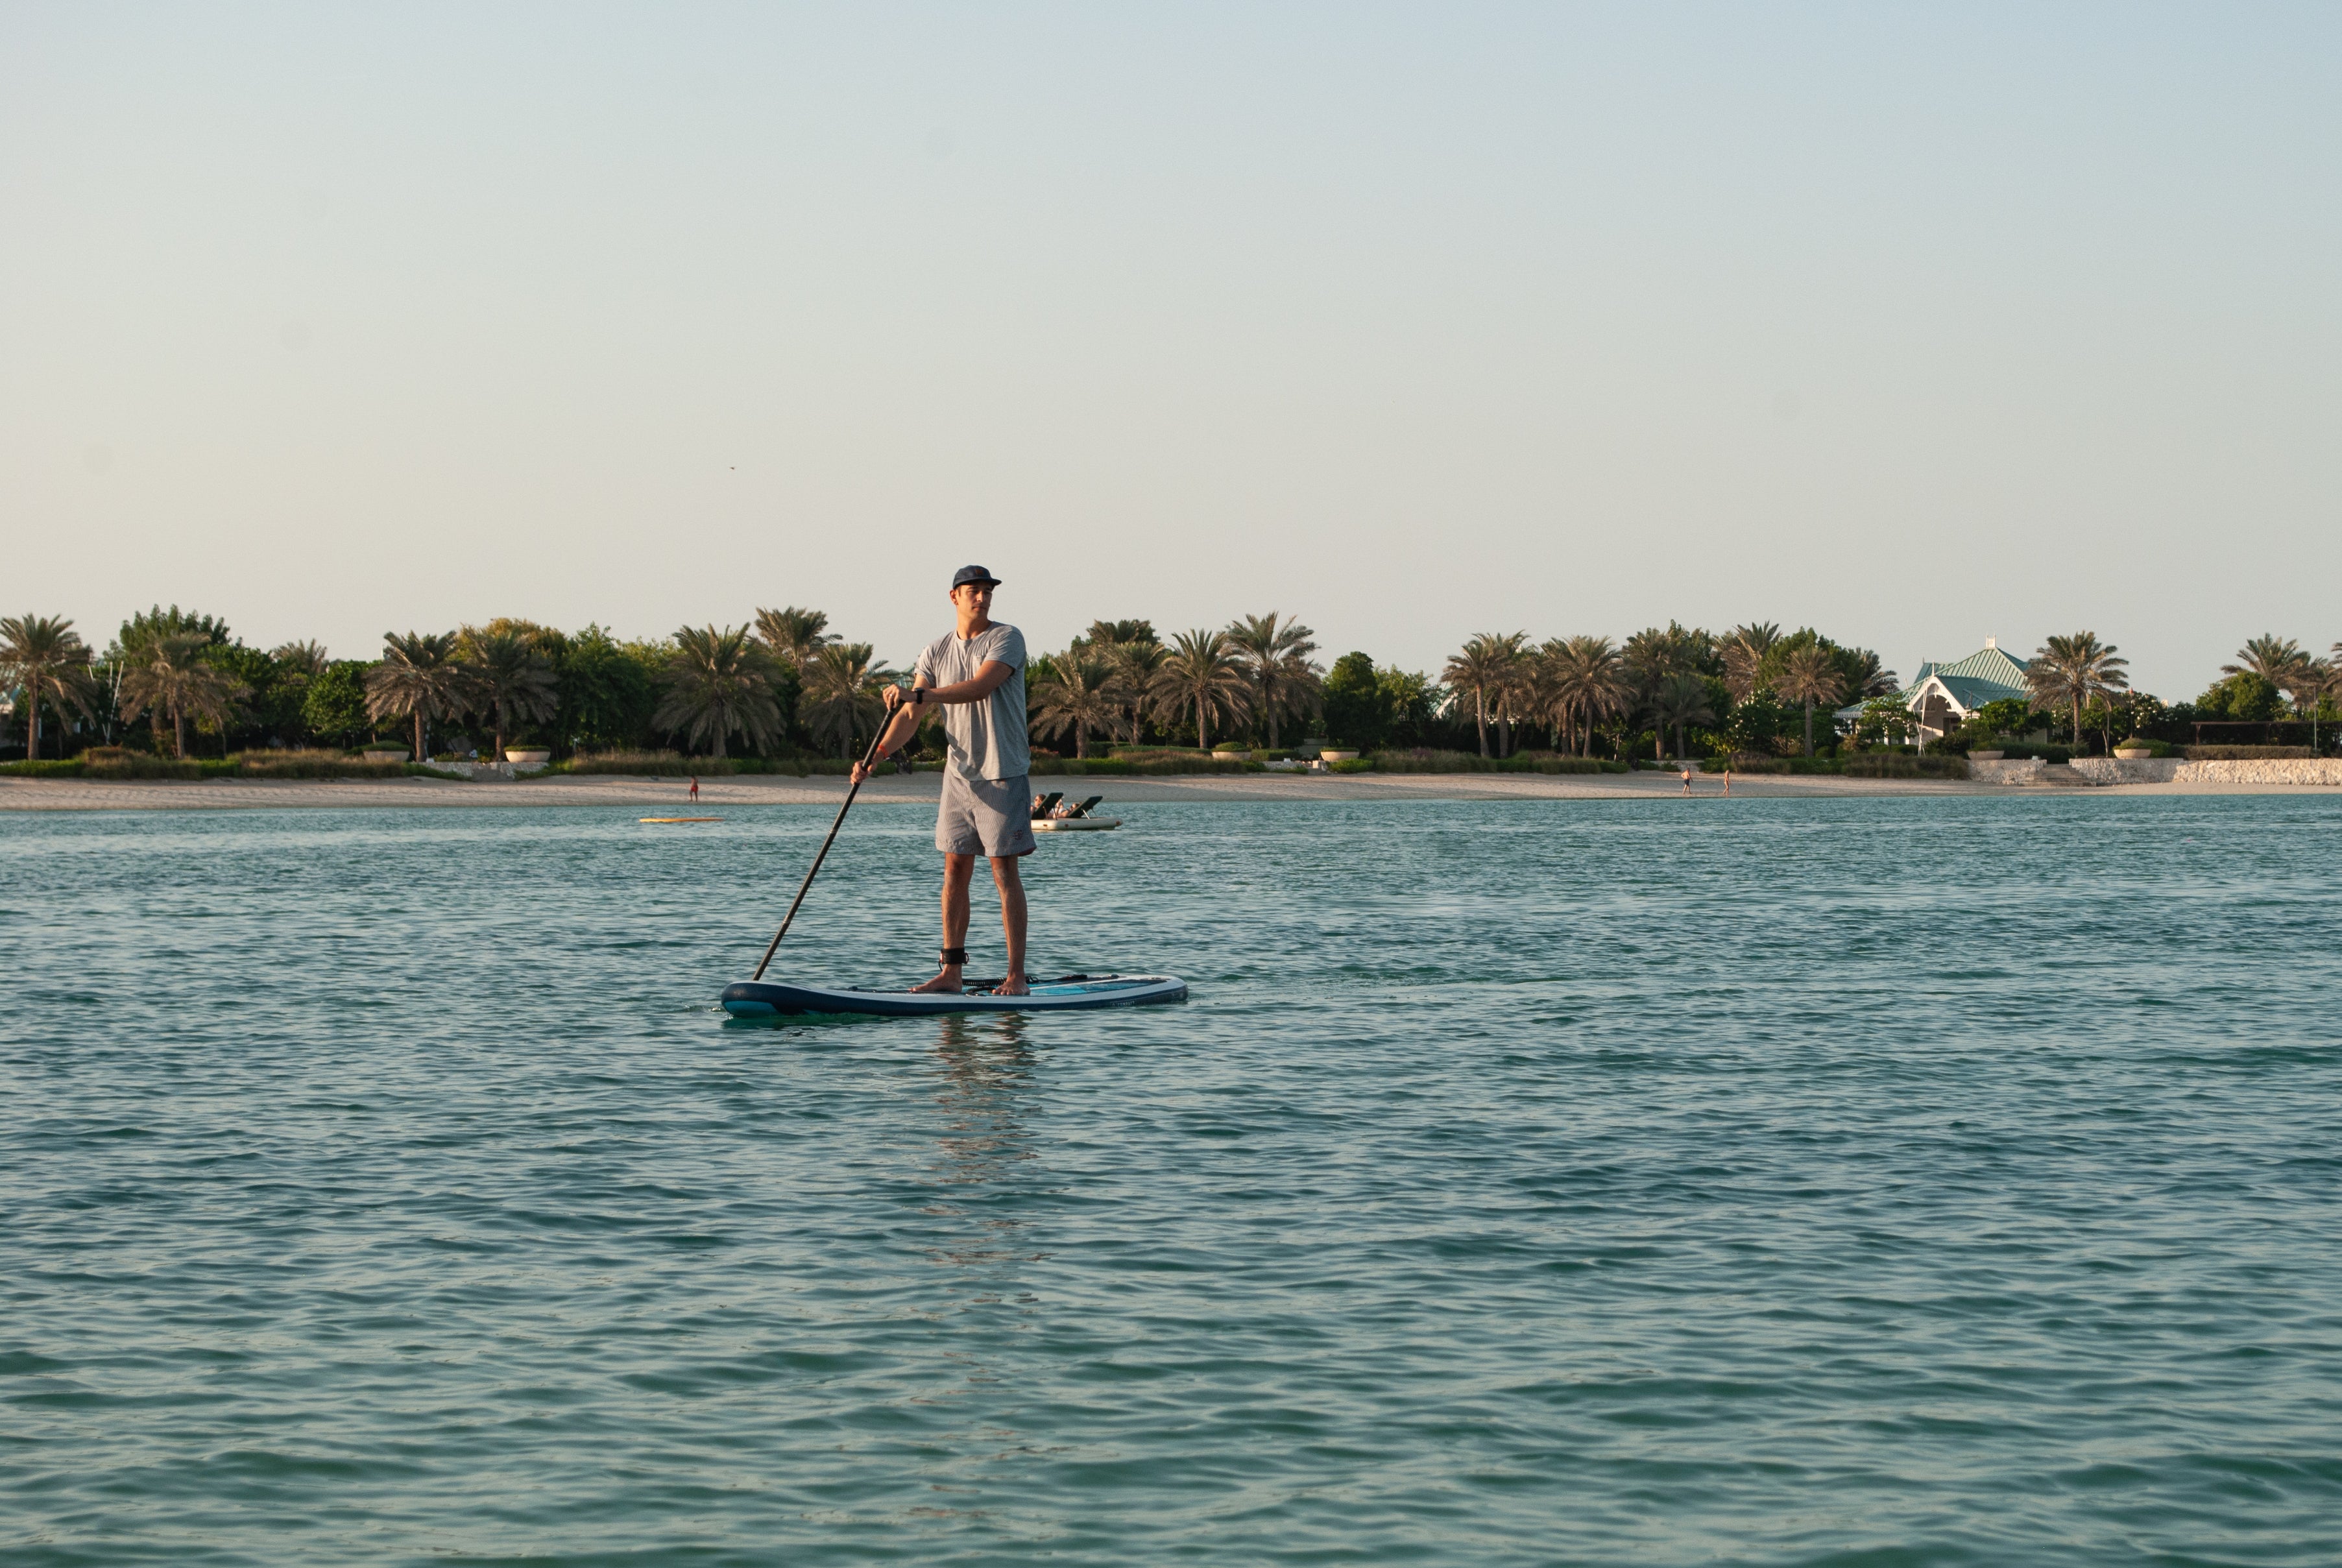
[{"x": 853, "y": 789}]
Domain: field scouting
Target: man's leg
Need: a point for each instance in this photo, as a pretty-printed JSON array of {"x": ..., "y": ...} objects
[
  {"x": 1012, "y": 918},
  {"x": 960, "y": 870}
]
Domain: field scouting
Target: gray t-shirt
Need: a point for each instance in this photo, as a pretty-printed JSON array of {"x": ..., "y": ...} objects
[{"x": 987, "y": 738}]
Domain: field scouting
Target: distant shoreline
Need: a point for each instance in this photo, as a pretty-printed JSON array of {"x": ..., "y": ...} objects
[{"x": 611, "y": 791}]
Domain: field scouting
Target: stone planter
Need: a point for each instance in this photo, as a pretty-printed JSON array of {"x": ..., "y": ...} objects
[
  {"x": 1219, "y": 756},
  {"x": 1330, "y": 755},
  {"x": 2133, "y": 753},
  {"x": 1986, "y": 756},
  {"x": 386, "y": 755},
  {"x": 527, "y": 756}
]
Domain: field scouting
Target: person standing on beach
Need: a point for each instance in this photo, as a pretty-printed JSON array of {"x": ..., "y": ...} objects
[
  {"x": 1686, "y": 777},
  {"x": 694, "y": 789},
  {"x": 976, "y": 674}
]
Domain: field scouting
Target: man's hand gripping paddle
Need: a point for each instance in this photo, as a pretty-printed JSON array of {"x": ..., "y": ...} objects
[{"x": 869, "y": 758}]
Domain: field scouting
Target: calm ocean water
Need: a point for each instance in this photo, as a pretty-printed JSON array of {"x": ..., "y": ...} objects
[{"x": 1879, "y": 1181}]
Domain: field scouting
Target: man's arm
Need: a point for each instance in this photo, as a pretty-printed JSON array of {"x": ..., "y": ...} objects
[{"x": 989, "y": 678}]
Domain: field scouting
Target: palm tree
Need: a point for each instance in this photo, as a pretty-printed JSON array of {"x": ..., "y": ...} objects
[
  {"x": 1681, "y": 700},
  {"x": 840, "y": 697},
  {"x": 717, "y": 683},
  {"x": 1589, "y": 683},
  {"x": 1137, "y": 662},
  {"x": 1810, "y": 675},
  {"x": 2308, "y": 682},
  {"x": 44, "y": 657},
  {"x": 2073, "y": 670},
  {"x": 1277, "y": 655},
  {"x": 1201, "y": 676},
  {"x": 512, "y": 681},
  {"x": 1745, "y": 648},
  {"x": 1652, "y": 655},
  {"x": 794, "y": 637},
  {"x": 1541, "y": 697},
  {"x": 1488, "y": 666},
  {"x": 2269, "y": 656},
  {"x": 1079, "y": 693},
  {"x": 419, "y": 678},
  {"x": 306, "y": 659},
  {"x": 172, "y": 677}
]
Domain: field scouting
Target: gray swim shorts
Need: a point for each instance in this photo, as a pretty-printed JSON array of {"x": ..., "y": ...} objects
[{"x": 984, "y": 816}]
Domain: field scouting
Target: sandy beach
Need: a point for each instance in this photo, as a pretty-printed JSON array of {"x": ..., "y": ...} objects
[{"x": 607, "y": 791}]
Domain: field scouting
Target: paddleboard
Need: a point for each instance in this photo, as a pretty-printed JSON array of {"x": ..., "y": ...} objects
[
  {"x": 764, "y": 999},
  {"x": 1076, "y": 824},
  {"x": 678, "y": 819}
]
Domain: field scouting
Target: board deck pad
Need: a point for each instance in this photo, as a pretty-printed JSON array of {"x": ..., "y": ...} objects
[{"x": 766, "y": 998}]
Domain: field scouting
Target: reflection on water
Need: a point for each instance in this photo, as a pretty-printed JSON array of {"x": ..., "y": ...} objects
[{"x": 983, "y": 1087}]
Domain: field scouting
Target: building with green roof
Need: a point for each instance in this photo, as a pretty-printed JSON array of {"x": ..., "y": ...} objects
[{"x": 1941, "y": 696}]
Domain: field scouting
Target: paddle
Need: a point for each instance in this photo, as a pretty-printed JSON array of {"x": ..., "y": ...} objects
[{"x": 869, "y": 757}]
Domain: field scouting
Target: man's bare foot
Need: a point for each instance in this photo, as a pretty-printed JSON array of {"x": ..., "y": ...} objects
[
  {"x": 1012, "y": 986},
  {"x": 947, "y": 982}
]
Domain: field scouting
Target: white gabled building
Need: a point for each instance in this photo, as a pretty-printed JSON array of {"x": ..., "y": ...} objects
[{"x": 1942, "y": 697}]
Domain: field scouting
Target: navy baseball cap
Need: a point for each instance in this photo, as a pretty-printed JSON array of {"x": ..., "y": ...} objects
[{"x": 966, "y": 574}]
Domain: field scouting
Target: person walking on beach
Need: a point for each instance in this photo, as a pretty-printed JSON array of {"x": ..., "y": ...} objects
[
  {"x": 1687, "y": 778},
  {"x": 694, "y": 789},
  {"x": 976, "y": 673}
]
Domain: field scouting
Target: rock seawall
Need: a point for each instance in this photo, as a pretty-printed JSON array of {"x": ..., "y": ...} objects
[
  {"x": 2167, "y": 770},
  {"x": 2265, "y": 771}
]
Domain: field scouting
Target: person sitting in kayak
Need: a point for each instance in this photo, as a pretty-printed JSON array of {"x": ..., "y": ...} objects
[{"x": 976, "y": 673}]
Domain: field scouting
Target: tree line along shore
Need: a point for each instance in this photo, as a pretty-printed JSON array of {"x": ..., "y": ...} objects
[{"x": 177, "y": 693}]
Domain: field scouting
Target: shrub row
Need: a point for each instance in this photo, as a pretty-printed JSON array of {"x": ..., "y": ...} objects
[
  {"x": 2246, "y": 754},
  {"x": 1435, "y": 762},
  {"x": 118, "y": 766}
]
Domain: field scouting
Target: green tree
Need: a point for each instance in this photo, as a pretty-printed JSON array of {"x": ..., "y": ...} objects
[
  {"x": 1810, "y": 675},
  {"x": 173, "y": 675},
  {"x": 419, "y": 678},
  {"x": 1414, "y": 702},
  {"x": 717, "y": 684},
  {"x": 1201, "y": 677},
  {"x": 2244, "y": 697},
  {"x": 2068, "y": 671},
  {"x": 609, "y": 689},
  {"x": 334, "y": 703},
  {"x": 153, "y": 625},
  {"x": 1357, "y": 712},
  {"x": 2004, "y": 716},
  {"x": 1276, "y": 654},
  {"x": 47, "y": 661},
  {"x": 1757, "y": 724},
  {"x": 513, "y": 683}
]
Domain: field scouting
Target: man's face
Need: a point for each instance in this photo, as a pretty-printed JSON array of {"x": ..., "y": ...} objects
[{"x": 974, "y": 598}]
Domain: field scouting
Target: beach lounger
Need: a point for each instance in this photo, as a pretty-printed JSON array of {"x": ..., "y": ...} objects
[
  {"x": 1048, "y": 804},
  {"x": 1084, "y": 809}
]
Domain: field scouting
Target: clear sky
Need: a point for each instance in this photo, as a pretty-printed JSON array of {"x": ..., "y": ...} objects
[{"x": 1917, "y": 323}]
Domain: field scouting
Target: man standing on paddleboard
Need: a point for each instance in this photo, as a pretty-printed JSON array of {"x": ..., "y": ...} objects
[{"x": 975, "y": 674}]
